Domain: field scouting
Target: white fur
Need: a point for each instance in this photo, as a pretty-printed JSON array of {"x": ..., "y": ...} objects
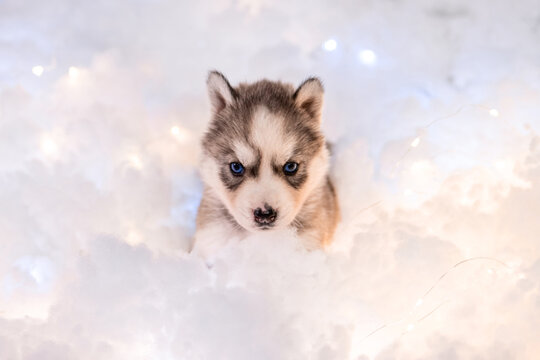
[
  {"x": 210, "y": 175},
  {"x": 214, "y": 236},
  {"x": 267, "y": 134},
  {"x": 244, "y": 153}
]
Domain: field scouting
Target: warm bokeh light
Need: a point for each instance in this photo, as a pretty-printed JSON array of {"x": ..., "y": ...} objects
[
  {"x": 330, "y": 45},
  {"x": 135, "y": 161},
  {"x": 73, "y": 73},
  {"x": 180, "y": 134},
  {"x": 38, "y": 70},
  {"x": 367, "y": 57},
  {"x": 48, "y": 146}
]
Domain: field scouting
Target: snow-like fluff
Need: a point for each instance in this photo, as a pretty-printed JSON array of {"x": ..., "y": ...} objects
[{"x": 433, "y": 111}]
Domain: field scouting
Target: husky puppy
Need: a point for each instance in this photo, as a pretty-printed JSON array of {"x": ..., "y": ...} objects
[{"x": 265, "y": 164}]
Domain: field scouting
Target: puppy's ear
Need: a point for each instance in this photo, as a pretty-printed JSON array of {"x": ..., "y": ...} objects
[
  {"x": 220, "y": 91},
  {"x": 309, "y": 97}
]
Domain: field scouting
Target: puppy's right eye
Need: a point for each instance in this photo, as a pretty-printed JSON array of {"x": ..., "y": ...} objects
[
  {"x": 290, "y": 168},
  {"x": 237, "y": 168}
]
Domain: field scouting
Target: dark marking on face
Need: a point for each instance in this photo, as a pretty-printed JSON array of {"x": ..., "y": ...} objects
[
  {"x": 231, "y": 182},
  {"x": 255, "y": 168},
  {"x": 296, "y": 180},
  {"x": 276, "y": 167}
]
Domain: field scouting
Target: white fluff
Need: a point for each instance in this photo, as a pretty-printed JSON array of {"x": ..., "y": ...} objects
[{"x": 98, "y": 198}]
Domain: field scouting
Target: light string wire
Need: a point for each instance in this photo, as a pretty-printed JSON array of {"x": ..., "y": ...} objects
[
  {"x": 493, "y": 112},
  {"x": 426, "y": 294}
]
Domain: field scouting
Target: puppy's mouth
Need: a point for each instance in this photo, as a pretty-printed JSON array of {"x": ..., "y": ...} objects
[
  {"x": 265, "y": 219},
  {"x": 264, "y": 227}
]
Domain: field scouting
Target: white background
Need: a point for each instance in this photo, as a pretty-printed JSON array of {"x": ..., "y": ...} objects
[{"x": 102, "y": 105}]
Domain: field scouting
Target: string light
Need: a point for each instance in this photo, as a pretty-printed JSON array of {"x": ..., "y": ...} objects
[
  {"x": 330, "y": 45},
  {"x": 367, "y": 57},
  {"x": 49, "y": 146},
  {"x": 492, "y": 112},
  {"x": 135, "y": 161},
  {"x": 134, "y": 238},
  {"x": 74, "y": 73},
  {"x": 38, "y": 70},
  {"x": 180, "y": 134},
  {"x": 420, "y": 301}
]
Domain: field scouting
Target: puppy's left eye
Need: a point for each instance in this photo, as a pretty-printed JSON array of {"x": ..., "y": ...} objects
[
  {"x": 236, "y": 168},
  {"x": 290, "y": 168}
]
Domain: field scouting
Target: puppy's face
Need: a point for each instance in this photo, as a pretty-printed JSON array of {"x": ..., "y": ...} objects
[{"x": 264, "y": 153}]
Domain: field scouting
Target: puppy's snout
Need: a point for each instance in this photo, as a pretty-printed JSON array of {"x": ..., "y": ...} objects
[{"x": 266, "y": 216}]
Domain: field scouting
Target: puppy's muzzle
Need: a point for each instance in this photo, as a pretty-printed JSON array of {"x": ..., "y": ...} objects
[{"x": 265, "y": 217}]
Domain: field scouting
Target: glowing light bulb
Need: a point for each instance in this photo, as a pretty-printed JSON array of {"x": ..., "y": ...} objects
[
  {"x": 410, "y": 327},
  {"x": 49, "y": 146},
  {"x": 415, "y": 142},
  {"x": 330, "y": 45},
  {"x": 419, "y": 302},
  {"x": 38, "y": 70},
  {"x": 181, "y": 134},
  {"x": 134, "y": 238},
  {"x": 37, "y": 275},
  {"x": 135, "y": 161},
  {"x": 408, "y": 192},
  {"x": 74, "y": 73},
  {"x": 494, "y": 112},
  {"x": 175, "y": 130},
  {"x": 367, "y": 57}
]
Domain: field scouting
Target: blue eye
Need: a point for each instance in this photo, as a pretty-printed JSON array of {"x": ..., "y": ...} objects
[
  {"x": 236, "y": 168},
  {"x": 290, "y": 168}
]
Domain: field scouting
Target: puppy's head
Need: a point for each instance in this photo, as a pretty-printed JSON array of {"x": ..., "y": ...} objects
[{"x": 264, "y": 154}]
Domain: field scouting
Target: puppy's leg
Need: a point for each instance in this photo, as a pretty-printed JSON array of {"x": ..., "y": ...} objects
[
  {"x": 214, "y": 230},
  {"x": 211, "y": 237}
]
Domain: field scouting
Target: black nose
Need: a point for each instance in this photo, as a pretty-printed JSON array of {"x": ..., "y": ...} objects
[{"x": 266, "y": 216}]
